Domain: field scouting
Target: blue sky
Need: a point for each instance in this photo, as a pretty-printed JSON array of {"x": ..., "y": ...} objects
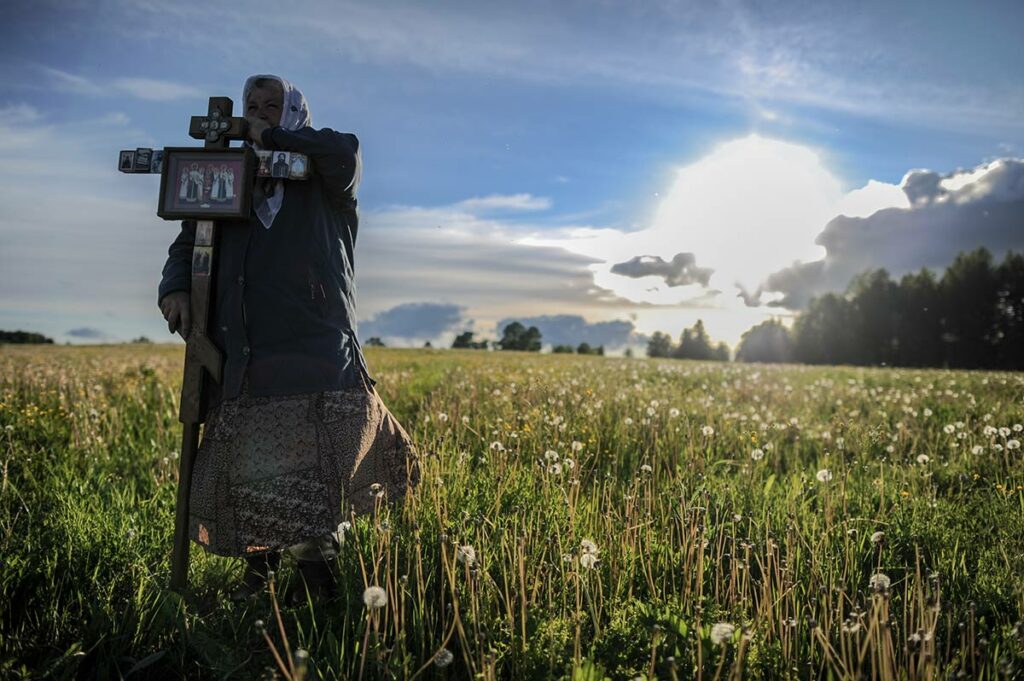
[{"x": 514, "y": 152}]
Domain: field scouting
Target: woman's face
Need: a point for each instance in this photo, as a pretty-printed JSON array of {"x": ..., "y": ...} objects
[{"x": 265, "y": 103}]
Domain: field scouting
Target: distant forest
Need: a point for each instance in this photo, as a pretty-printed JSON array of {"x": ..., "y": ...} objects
[
  {"x": 24, "y": 337},
  {"x": 970, "y": 318}
]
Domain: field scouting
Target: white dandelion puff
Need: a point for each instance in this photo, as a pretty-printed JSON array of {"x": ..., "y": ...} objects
[
  {"x": 757, "y": 454},
  {"x": 466, "y": 554},
  {"x": 879, "y": 582},
  {"x": 576, "y": 445},
  {"x": 1013, "y": 444},
  {"x": 923, "y": 459},
  {"x": 375, "y": 597},
  {"x": 721, "y": 633},
  {"x": 707, "y": 431},
  {"x": 949, "y": 429},
  {"x": 877, "y": 537},
  {"x": 443, "y": 658},
  {"x": 824, "y": 475}
]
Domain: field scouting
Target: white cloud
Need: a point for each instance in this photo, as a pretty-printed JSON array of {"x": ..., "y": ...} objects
[
  {"x": 156, "y": 90},
  {"x": 748, "y": 208},
  {"x": 965, "y": 210},
  {"x": 523, "y": 202}
]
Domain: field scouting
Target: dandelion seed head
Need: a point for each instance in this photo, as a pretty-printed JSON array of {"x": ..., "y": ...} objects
[
  {"x": 722, "y": 633},
  {"x": 824, "y": 475},
  {"x": 757, "y": 454},
  {"x": 444, "y": 658},
  {"x": 375, "y": 597},
  {"x": 466, "y": 554},
  {"x": 879, "y": 582}
]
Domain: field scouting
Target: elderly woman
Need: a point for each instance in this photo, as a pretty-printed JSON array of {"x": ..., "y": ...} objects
[{"x": 296, "y": 438}]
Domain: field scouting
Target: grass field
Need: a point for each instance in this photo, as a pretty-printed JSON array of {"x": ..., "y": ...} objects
[{"x": 586, "y": 517}]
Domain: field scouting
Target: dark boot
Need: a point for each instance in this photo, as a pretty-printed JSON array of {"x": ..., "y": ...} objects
[
  {"x": 255, "y": 578},
  {"x": 319, "y": 582}
]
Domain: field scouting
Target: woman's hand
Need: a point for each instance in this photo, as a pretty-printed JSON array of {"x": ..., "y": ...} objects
[
  {"x": 177, "y": 310},
  {"x": 256, "y": 128}
]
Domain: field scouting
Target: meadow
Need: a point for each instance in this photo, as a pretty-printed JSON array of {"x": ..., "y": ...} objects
[{"x": 578, "y": 517}]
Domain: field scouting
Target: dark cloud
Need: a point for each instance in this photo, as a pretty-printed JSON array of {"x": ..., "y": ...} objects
[
  {"x": 681, "y": 271},
  {"x": 413, "y": 321},
  {"x": 987, "y": 211},
  {"x": 569, "y": 329},
  {"x": 87, "y": 333}
]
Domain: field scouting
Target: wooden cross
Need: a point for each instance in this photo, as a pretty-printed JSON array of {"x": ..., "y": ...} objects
[{"x": 217, "y": 129}]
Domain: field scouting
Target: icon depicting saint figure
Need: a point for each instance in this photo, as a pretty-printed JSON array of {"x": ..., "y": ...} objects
[
  {"x": 195, "y": 184},
  {"x": 264, "y": 170},
  {"x": 220, "y": 191},
  {"x": 183, "y": 185},
  {"x": 280, "y": 165},
  {"x": 228, "y": 178},
  {"x": 298, "y": 166}
]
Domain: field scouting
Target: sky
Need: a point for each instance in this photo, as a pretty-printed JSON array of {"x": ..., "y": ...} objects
[{"x": 602, "y": 169}]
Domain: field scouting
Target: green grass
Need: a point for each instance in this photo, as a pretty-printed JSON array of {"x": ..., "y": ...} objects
[{"x": 690, "y": 531}]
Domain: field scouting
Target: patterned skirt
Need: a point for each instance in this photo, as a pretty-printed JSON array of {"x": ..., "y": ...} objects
[{"x": 271, "y": 472}]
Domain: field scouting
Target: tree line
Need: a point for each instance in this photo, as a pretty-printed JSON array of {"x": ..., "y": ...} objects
[{"x": 970, "y": 318}]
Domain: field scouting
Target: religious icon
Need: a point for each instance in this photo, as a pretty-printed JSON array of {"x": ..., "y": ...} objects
[
  {"x": 201, "y": 258},
  {"x": 280, "y": 164},
  {"x": 156, "y": 165},
  {"x": 200, "y": 183},
  {"x": 204, "y": 233},
  {"x": 298, "y": 167},
  {"x": 223, "y": 184},
  {"x": 127, "y": 162},
  {"x": 142, "y": 159},
  {"x": 264, "y": 169}
]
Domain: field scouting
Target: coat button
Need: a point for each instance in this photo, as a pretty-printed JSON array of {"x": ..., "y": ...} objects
[
  {"x": 245, "y": 351},
  {"x": 241, "y": 280}
]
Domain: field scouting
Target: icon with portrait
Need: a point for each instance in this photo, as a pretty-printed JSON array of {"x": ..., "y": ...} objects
[{"x": 298, "y": 167}]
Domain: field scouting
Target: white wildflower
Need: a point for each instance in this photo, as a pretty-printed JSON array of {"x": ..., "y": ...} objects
[
  {"x": 442, "y": 417},
  {"x": 1013, "y": 444},
  {"x": 824, "y": 475},
  {"x": 707, "y": 431},
  {"x": 923, "y": 458},
  {"x": 497, "y": 446},
  {"x": 375, "y": 597},
  {"x": 465, "y": 554},
  {"x": 977, "y": 449},
  {"x": 757, "y": 454},
  {"x": 721, "y": 633},
  {"x": 673, "y": 412},
  {"x": 443, "y": 658},
  {"x": 879, "y": 582},
  {"x": 588, "y": 561},
  {"x": 948, "y": 429}
]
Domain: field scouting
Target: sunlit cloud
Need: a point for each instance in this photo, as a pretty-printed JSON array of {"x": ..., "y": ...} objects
[{"x": 750, "y": 207}]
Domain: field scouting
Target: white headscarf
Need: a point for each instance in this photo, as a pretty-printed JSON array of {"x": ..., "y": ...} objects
[{"x": 295, "y": 115}]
